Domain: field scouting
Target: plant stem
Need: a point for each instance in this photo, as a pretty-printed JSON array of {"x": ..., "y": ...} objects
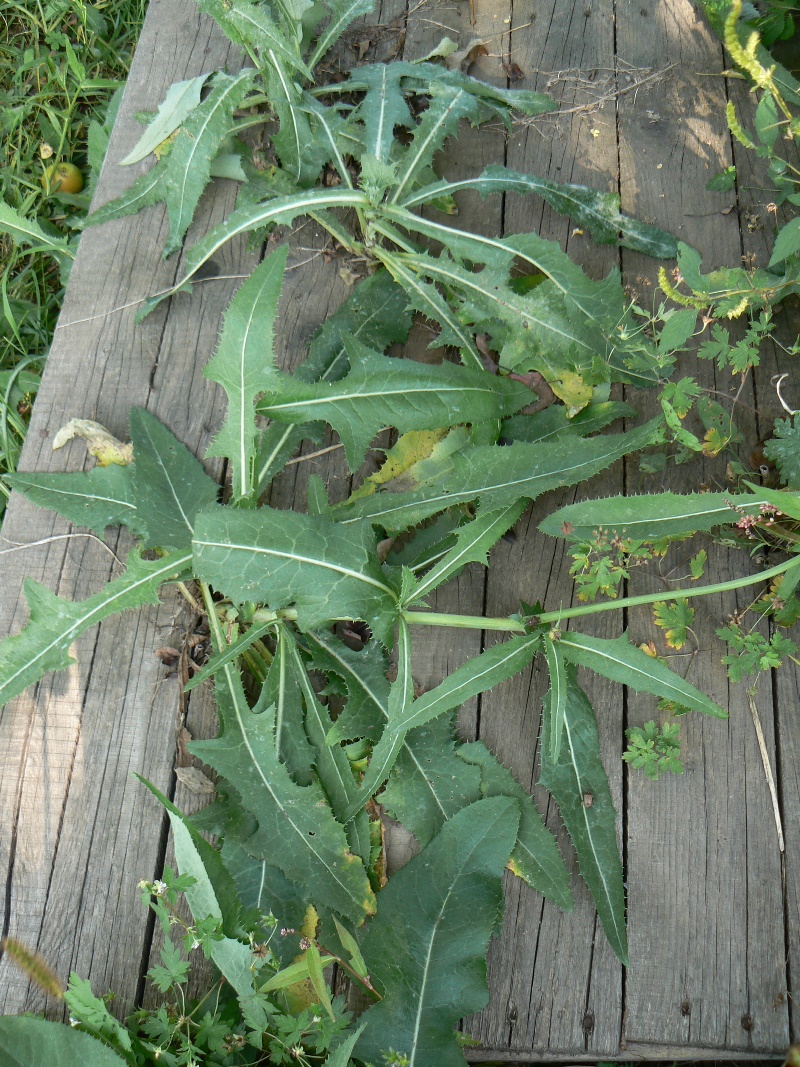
[{"x": 477, "y": 622}]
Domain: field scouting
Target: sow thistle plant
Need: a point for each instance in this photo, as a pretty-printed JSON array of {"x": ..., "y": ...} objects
[{"x": 297, "y": 882}]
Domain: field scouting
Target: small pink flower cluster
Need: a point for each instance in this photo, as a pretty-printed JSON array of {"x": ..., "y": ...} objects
[{"x": 766, "y": 517}]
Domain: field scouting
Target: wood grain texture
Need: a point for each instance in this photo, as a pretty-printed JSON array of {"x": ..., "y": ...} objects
[
  {"x": 708, "y": 978},
  {"x": 79, "y": 832},
  {"x": 704, "y": 879},
  {"x": 555, "y": 984}
]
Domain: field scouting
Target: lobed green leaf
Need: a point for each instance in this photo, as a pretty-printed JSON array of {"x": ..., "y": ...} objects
[
  {"x": 578, "y": 783},
  {"x": 426, "y": 948}
]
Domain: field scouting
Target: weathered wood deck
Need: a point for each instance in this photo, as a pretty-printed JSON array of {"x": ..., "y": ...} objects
[{"x": 714, "y": 908}]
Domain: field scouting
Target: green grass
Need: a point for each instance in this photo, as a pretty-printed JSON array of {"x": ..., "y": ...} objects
[{"x": 61, "y": 63}]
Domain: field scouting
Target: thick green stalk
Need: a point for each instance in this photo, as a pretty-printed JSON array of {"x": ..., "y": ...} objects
[{"x": 476, "y": 622}]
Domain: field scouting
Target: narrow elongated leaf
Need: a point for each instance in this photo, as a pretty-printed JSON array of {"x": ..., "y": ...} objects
[
  {"x": 182, "y": 98},
  {"x": 554, "y": 421},
  {"x": 300, "y": 151},
  {"x": 599, "y": 212},
  {"x": 253, "y": 24},
  {"x": 296, "y": 828},
  {"x": 402, "y": 393},
  {"x": 537, "y": 323},
  {"x": 598, "y": 301},
  {"x": 325, "y": 571},
  {"x": 649, "y": 518},
  {"x": 340, "y": 1057},
  {"x": 364, "y": 677},
  {"x": 280, "y": 691},
  {"x": 232, "y": 652},
  {"x": 181, "y": 176},
  {"x": 535, "y": 858},
  {"x": 426, "y": 298},
  {"x": 25, "y": 1040},
  {"x": 283, "y": 210},
  {"x": 214, "y": 892},
  {"x": 341, "y": 14},
  {"x": 473, "y": 542},
  {"x": 576, "y": 776},
  {"x": 171, "y": 485},
  {"x": 374, "y": 314},
  {"x": 429, "y": 783},
  {"x": 448, "y": 106},
  {"x": 44, "y": 644},
  {"x": 624, "y": 662},
  {"x": 497, "y": 477},
  {"x": 495, "y": 665},
  {"x": 478, "y": 674},
  {"x": 426, "y": 948},
  {"x": 244, "y": 365},
  {"x": 557, "y": 704},
  {"x": 260, "y": 885},
  {"x": 333, "y": 766},
  {"x": 524, "y": 100},
  {"x": 103, "y": 496},
  {"x": 28, "y": 233}
]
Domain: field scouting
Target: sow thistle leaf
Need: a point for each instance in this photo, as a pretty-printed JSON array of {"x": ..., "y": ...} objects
[
  {"x": 429, "y": 783},
  {"x": 28, "y": 233},
  {"x": 557, "y": 704},
  {"x": 103, "y": 496},
  {"x": 497, "y": 477},
  {"x": 500, "y": 100},
  {"x": 281, "y": 692},
  {"x": 296, "y": 828},
  {"x": 478, "y": 674},
  {"x": 181, "y": 99},
  {"x": 554, "y": 421},
  {"x": 598, "y": 212},
  {"x": 538, "y": 323},
  {"x": 374, "y": 314},
  {"x": 43, "y": 645},
  {"x": 364, "y": 677},
  {"x": 341, "y": 14},
  {"x": 252, "y": 24},
  {"x": 327, "y": 572},
  {"x": 383, "y": 107},
  {"x": 601, "y": 302},
  {"x": 426, "y": 948},
  {"x": 578, "y": 784},
  {"x": 425, "y": 297},
  {"x": 473, "y": 542},
  {"x": 333, "y": 766},
  {"x": 380, "y": 392},
  {"x": 535, "y": 858},
  {"x": 244, "y": 366},
  {"x": 649, "y": 518},
  {"x": 214, "y": 890},
  {"x": 448, "y": 106},
  {"x": 281, "y": 211},
  {"x": 301, "y": 152},
  {"x": 180, "y": 177},
  {"x": 622, "y": 661},
  {"x": 25, "y": 1040},
  {"x": 171, "y": 485}
]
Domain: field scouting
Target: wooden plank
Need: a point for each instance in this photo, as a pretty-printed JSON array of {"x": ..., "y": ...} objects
[
  {"x": 705, "y": 910},
  {"x": 752, "y": 199},
  {"x": 555, "y": 984},
  {"x": 81, "y": 832}
]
